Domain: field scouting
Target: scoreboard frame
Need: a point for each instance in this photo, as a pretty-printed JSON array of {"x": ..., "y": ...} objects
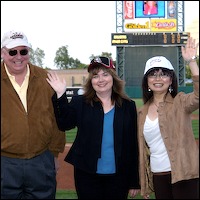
[{"x": 149, "y": 39}]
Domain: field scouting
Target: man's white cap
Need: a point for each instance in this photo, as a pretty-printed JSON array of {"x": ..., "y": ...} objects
[
  {"x": 157, "y": 62},
  {"x": 13, "y": 39}
]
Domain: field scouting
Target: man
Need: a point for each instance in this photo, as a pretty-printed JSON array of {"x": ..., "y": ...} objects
[{"x": 30, "y": 139}]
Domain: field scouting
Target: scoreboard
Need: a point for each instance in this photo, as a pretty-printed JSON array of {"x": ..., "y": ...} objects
[
  {"x": 73, "y": 91},
  {"x": 149, "y": 39}
]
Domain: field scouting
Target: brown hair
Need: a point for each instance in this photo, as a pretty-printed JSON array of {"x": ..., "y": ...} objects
[{"x": 118, "y": 92}]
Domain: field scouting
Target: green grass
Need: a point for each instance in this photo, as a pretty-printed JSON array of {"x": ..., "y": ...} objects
[
  {"x": 71, "y": 194},
  {"x": 66, "y": 194},
  {"x": 138, "y": 102},
  {"x": 195, "y": 126},
  {"x": 70, "y": 135},
  {"x": 196, "y": 111}
]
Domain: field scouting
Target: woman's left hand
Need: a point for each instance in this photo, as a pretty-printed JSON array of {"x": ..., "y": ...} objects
[{"x": 133, "y": 192}]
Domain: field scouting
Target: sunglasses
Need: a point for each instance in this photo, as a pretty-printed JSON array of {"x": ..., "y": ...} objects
[
  {"x": 101, "y": 60},
  {"x": 106, "y": 62},
  {"x": 22, "y": 52}
]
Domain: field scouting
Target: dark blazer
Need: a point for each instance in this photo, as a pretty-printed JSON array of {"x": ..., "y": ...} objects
[{"x": 86, "y": 148}]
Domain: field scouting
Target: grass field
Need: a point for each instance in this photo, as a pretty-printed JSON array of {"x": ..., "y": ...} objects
[
  {"x": 71, "y": 194},
  {"x": 66, "y": 194}
]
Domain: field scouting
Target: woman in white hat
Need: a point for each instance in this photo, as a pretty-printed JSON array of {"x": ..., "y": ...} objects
[{"x": 169, "y": 154}]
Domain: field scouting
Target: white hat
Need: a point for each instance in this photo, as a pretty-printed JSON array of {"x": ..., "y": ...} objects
[
  {"x": 13, "y": 39},
  {"x": 158, "y": 62}
]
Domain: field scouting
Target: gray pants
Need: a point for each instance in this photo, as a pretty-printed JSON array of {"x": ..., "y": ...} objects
[{"x": 33, "y": 178}]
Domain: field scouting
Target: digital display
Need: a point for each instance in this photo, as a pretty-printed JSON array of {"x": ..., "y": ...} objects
[
  {"x": 149, "y": 9},
  {"x": 141, "y": 39},
  {"x": 72, "y": 91}
]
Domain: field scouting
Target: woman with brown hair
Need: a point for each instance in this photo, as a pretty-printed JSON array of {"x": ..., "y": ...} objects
[{"x": 105, "y": 151}]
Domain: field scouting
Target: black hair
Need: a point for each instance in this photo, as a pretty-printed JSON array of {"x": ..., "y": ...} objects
[{"x": 147, "y": 95}]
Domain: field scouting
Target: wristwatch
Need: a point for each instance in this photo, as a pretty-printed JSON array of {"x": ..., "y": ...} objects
[{"x": 194, "y": 58}]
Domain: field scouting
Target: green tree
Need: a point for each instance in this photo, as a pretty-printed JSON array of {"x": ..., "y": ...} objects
[
  {"x": 62, "y": 59},
  {"x": 37, "y": 57},
  {"x": 77, "y": 64},
  {"x": 106, "y": 54},
  {"x": 188, "y": 71}
]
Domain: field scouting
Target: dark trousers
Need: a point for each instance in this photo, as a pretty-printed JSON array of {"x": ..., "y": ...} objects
[
  {"x": 33, "y": 178},
  {"x": 187, "y": 189},
  {"x": 94, "y": 186}
]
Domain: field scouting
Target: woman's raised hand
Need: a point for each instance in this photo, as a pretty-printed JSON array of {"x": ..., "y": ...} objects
[
  {"x": 190, "y": 49},
  {"x": 58, "y": 84}
]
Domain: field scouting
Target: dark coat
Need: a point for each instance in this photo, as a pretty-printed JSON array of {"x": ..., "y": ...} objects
[{"x": 86, "y": 148}]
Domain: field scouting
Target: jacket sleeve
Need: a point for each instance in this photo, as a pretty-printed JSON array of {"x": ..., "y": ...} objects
[
  {"x": 58, "y": 138},
  {"x": 58, "y": 141},
  {"x": 135, "y": 149},
  {"x": 65, "y": 112}
]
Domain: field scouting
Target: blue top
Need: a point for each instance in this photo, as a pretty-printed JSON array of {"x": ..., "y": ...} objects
[{"x": 106, "y": 164}]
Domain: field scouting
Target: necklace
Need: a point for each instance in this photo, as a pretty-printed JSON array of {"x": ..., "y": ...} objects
[{"x": 155, "y": 105}]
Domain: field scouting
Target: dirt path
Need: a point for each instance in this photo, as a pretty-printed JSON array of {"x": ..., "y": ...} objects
[{"x": 65, "y": 175}]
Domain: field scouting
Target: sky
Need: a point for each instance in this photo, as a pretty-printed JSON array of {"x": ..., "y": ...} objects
[{"x": 84, "y": 26}]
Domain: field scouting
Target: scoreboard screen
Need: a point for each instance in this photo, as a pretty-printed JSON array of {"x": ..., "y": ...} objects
[{"x": 149, "y": 39}]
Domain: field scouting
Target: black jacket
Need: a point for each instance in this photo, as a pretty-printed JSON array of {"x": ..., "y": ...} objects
[{"x": 86, "y": 148}]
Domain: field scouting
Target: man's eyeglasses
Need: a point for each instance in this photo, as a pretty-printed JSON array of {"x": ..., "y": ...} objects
[
  {"x": 22, "y": 52},
  {"x": 106, "y": 62},
  {"x": 161, "y": 75}
]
